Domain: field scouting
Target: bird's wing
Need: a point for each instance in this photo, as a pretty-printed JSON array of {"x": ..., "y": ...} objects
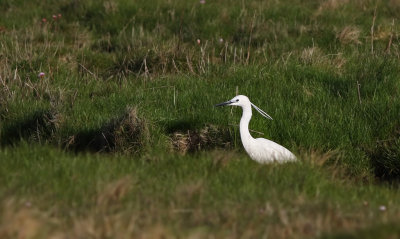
[{"x": 273, "y": 150}]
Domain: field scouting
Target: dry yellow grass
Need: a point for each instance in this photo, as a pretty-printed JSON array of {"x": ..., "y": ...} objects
[
  {"x": 316, "y": 57},
  {"x": 312, "y": 55},
  {"x": 114, "y": 192},
  {"x": 194, "y": 140},
  {"x": 349, "y": 34},
  {"x": 330, "y": 5},
  {"x": 24, "y": 221}
]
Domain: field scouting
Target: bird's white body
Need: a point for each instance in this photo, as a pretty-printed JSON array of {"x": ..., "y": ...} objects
[{"x": 260, "y": 149}]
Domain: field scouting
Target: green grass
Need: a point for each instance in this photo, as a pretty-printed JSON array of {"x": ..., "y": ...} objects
[{"x": 121, "y": 139}]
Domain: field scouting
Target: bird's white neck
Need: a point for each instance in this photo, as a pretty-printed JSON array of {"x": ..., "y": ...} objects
[{"x": 244, "y": 126}]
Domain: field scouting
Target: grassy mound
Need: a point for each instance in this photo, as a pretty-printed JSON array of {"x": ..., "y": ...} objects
[
  {"x": 206, "y": 138},
  {"x": 128, "y": 133}
]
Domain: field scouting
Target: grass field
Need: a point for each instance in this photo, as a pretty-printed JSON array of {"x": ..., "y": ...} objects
[{"x": 120, "y": 137}]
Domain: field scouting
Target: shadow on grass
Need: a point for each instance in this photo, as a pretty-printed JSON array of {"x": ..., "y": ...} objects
[
  {"x": 39, "y": 126},
  {"x": 385, "y": 158},
  {"x": 390, "y": 230},
  {"x": 127, "y": 133}
]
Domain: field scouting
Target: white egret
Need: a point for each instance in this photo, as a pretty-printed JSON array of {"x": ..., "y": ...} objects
[{"x": 260, "y": 149}]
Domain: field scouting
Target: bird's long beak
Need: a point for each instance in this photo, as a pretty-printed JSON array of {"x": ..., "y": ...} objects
[{"x": 224, "y": 103}]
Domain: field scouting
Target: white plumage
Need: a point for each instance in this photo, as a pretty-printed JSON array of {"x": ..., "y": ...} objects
[{"x": 260, "y": 149}]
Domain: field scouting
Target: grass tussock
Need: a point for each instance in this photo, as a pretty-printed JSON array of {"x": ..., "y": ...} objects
[
  {"x": 127, "y": 134},
  {"x": 208, "y": 137},
  {"x": 312, "y": 55},
  {"x": 349, "y": 34}
]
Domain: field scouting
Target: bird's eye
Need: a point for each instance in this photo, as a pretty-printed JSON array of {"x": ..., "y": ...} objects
[{"x": 237, "y": 100}]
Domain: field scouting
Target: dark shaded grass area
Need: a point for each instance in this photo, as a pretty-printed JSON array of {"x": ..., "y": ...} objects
[{"x": 381, "y": 231}]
